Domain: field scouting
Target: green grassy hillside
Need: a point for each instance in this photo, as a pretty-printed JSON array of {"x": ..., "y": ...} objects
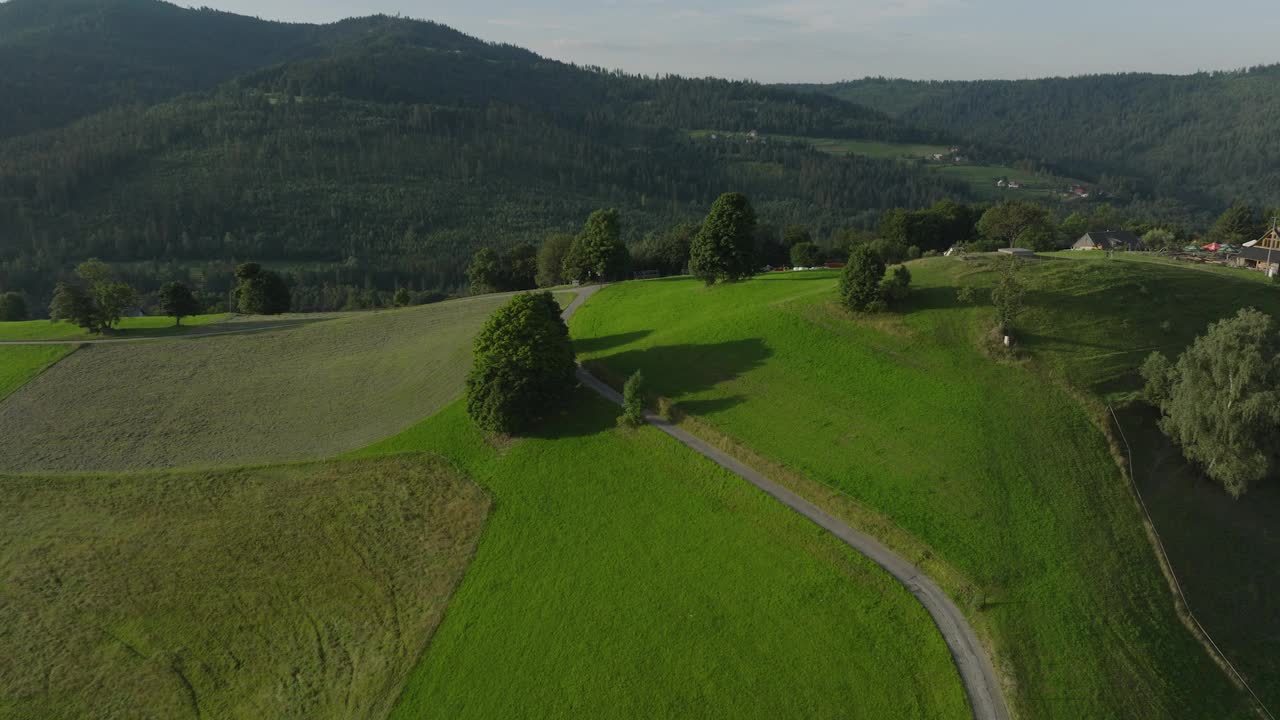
[
  {"x": 623, "y": 576},
  {"x": 134, "y": 327},
  {"x": 997, "y": 470},
  {"x": 303, "y": 591},
  {"x": 304, "y": 393},
  {"x": 21, "y": 363}
]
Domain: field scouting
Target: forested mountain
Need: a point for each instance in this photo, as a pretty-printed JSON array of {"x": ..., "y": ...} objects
[
  {"x": 374, "y": 152},
  {"x": 1208, "y": 139}
]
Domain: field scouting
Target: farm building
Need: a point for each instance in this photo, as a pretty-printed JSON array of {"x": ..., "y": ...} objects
[
  {"x": 1108, "y": 240},
  {"x": 1017, "y": 252},
  {"x": 1262, "y": 254}
]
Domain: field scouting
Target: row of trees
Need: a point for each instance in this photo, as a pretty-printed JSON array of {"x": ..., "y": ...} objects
[{"x": 97, "y": 300}]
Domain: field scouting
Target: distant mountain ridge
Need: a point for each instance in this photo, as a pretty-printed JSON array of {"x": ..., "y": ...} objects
[
  {"x": 1208, "y": 139},
  {"x": 382, "y": 151}
]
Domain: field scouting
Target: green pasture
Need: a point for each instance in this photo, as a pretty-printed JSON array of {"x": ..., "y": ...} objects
[
  {"x": 998, "y": 470},
  {"x": 1092, "y": 321},
  {"x": 621, "y": 575},
  {"x": 303, "y": 591},
  {"x": 20, "y": 363},
  {"x": 133, "y": 327}
]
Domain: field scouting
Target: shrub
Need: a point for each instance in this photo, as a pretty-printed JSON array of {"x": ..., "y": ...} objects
[
  {"x": 635, "y": 400},
  {"x": 524, "y": 365},
  {"x": 860, "y": 280},
  {"x": 402, "y": 297},
  {"x": 896, "y": 285}
]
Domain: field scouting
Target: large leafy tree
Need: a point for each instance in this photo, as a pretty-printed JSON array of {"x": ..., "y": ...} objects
[
  {"x": 12, "y": 307},
  {"x": 72, "y": 303},
  {"x": 485, "y": 271},
  {"x": 805, "y": 254},
  {"x": 666, "y": 251},
  {"x": 860, "y": 281},
  {"x": 98, "y": 304},
  {"x": 598, "y": 253},
  {"x": 177, "y": 301},
  {"x": 524, "y": 365},
  {"x": 1238, "y": 225},
  {"x": 520, "y": 267},
  {"x": 1009, "y": 295},
  {"x": 551, "y": 257},
  {"x": 723, "y": 249},
  {"x": 1221, "y": 400},
  {"x": 261, "y": 292},
  {"x": 1021, "y": 224}
]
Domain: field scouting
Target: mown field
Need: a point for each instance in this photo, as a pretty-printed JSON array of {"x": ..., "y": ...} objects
[
  {"x": 133, "y": 327},
  {"x": 999, "y": 471},
  {"x": 304, "y": 591},
  {"x": 623, "y": 576},
  {"x": 304, "y": 393}
]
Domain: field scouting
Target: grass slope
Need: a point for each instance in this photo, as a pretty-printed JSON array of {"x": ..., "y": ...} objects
[
  {"x": 129, "y": 328},
  {"x": 623, "y": 576},
  {"x": 1092, "y": 322},
  {"x": 308, "y": 392},
  {"x": 999, "y": 472},
  {"x": 19, "y": 364},
  {"x": 303, "y": 591}
]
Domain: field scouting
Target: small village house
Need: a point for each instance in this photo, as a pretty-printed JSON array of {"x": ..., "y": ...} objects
[
  {"x": 1108, "y": 240},
  {"x": 1262, "y": 254}
]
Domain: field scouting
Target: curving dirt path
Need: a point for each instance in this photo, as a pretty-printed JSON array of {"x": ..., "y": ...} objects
[{"x": 975, "y": 668}]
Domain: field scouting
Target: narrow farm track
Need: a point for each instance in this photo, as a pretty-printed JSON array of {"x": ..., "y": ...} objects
[{"x": 975, "y": 668}]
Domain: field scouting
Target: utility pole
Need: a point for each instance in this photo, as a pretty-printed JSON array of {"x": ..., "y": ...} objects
[{"x": 1271, "y": 241}]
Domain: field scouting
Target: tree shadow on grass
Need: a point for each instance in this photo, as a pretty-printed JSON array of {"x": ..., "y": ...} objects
[
  {"x": 676, "y": 371},
  {"x": 938, "y": 298},
  {"x": 672, "y": 371},
  {"x": 584, "y": 414},
  {"x": 596, "y": 344},
  {"x": 702, "y": 408}
]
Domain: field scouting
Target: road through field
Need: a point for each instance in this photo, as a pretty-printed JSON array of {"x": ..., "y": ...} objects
[{"x": 975, "y": 668}]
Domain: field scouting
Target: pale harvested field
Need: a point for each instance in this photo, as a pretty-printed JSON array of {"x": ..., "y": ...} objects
[{"x": 304, "y": 393}]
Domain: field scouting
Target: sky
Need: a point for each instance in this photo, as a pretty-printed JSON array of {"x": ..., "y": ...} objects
[{"x": 831, "y": 40}]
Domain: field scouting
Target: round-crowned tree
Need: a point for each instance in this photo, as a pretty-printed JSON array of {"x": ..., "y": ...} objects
[
  {"x": 724, "y": 249},
  {"x": 805, "y": 254},
  {"x": 860, "y": 281},
  {"x": 523, "y": 368}
]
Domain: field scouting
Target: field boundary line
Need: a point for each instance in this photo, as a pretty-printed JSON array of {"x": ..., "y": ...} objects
[
  {"x": 973, "y": 664},
  {"x": 1164, "y": 556}
]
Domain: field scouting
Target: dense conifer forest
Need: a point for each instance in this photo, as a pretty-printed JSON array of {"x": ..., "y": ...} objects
[{"x": 1205, "y": 140}]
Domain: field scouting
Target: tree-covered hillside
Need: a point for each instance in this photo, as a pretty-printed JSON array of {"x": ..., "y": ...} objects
[
  {"x": 1208, "y": 139},
  {"x": 385, "y": 153}
]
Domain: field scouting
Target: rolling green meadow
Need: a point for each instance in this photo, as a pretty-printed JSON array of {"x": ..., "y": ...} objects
[
  {"x": 130, "y": 327},
  {"x": 299, "y": 591},
  {"x": 1007, "y": 480},
  {"x": 623, "y": 576},
  {"x": 618, "y": 574}
]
